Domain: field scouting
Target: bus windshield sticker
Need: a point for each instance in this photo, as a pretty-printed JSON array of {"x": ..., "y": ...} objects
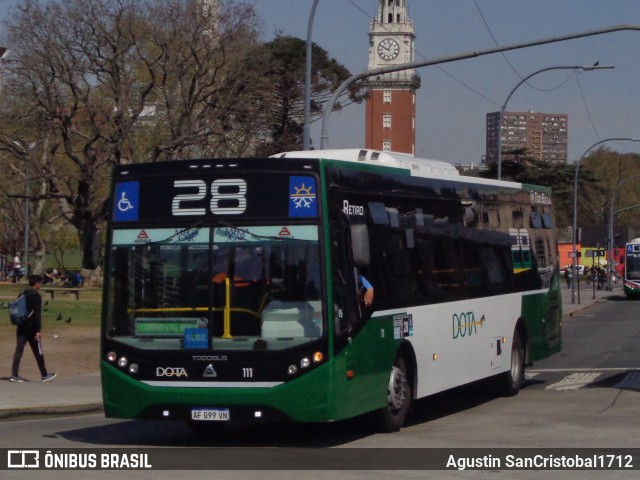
[
  {"x": 262, "y": 233},
  {"x": 402, "y": 326},
  {"x": 302, "y": 197},
  {"x": 125, "y": 205},
  {"x": 195, "y": 338},
  {"x": 175, "y": 236}
]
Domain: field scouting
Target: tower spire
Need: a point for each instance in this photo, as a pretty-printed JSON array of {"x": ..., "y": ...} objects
[{"x": 390, "y": 116}]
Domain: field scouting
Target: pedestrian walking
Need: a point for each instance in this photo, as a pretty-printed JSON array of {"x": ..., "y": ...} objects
[
  {"x": 30, "y": 332},
  {"x": 17, "y": 268}
]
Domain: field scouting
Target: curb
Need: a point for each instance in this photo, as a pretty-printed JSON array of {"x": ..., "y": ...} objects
[
  {"x": 51, "y": 410},
  {"x": 582, "y": 307}
]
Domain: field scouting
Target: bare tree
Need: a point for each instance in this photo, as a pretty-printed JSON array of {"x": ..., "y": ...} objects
[{"x": 102, "y": 82}]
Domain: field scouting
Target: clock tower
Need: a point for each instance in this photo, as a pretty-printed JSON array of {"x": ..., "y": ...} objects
[{"x": 391, "y": 98}]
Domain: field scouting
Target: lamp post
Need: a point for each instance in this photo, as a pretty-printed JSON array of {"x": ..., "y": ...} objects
[
  {"x": 504, "y": 105},
  {"x": 306, "y": 137},
  {"x": 575, "y": 210},
  {"x": 24, "y": 153},
  {"x": 612, "y": 214},
  {"x": 27, "y": 194}
]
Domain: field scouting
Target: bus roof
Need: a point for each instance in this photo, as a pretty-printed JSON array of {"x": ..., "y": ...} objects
[{"x": 418, "y": 166}]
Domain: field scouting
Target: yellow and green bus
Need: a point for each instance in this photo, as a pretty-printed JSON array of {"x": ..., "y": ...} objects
[{"x": 234, "y": 287}]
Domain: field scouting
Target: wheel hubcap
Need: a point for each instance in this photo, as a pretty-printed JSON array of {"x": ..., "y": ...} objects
[{"x": 397, "y": 388}]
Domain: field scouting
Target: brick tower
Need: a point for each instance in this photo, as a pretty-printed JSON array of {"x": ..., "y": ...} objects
[{"x": 391, "y": 98}]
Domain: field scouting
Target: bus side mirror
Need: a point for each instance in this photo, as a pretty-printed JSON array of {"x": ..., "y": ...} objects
[
  {"x": 360, "y": 245},
  {"x": 91, "y": 249}
]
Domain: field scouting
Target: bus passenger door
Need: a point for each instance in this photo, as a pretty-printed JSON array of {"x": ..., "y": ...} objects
[
  {"x": 354, "y": 344},
  {"x": 348, "y": 313}
]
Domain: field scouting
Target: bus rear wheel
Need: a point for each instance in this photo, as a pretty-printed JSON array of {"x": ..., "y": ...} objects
[
  {"x": 391, "y": 418},
  {"x": 511, "y": 380}
]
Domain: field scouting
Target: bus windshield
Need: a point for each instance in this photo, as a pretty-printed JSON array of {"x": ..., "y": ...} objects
[
  {"x": 224, "y": 288},
  {"x": 633, "y": 266}
]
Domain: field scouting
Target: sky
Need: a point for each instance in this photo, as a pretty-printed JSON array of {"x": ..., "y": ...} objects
[{"x": 455, "y": 97}]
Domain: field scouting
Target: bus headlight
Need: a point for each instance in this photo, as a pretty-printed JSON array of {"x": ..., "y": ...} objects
[
  {"x": 133, "y": 368},
  {"x": 112, "y": 356},
  {"x": 305, "y": 362},
  {"x": 123, "y": 362},
  {"x": 292, "y": 370}
]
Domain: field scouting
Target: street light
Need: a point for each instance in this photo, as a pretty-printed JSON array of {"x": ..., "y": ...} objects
[
  {"x": 575, "y": 210},
  {"x": 612, "y": 213},
  {"x": 24, "y": 153},
  {"x": 27, "y": 206},
  {"x": 504, "y": 105},
  {"x": 306, "y": 137}
]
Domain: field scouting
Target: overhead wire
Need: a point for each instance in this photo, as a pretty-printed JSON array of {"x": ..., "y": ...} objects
[
  {"x": 586, "y": 107},
  {"x": 574, "y": 72},
  {"x": 418, "y": 53},
  {"x": 506, "y": 59}
]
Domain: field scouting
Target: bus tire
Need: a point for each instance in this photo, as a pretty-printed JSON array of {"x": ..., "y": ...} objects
[
  {"x": 391, "y": 417},
  {"x": 511, "y": 380}
]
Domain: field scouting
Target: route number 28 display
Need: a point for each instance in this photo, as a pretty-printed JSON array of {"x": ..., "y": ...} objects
[{"x": 228, "y": 197}]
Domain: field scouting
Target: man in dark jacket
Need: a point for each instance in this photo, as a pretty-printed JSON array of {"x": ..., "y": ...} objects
[{"x": 29, "y": 332}]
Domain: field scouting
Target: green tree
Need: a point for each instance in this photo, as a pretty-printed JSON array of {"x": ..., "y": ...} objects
[
  {"x": 617, "y": 175},
  {"x": 282, "y": 63}
]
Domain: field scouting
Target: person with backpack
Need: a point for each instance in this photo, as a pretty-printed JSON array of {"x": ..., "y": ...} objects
[{"x": 29, "y": 332}]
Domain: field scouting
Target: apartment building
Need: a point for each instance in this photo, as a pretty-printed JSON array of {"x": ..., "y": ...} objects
[{"x": 534, "y": 134}]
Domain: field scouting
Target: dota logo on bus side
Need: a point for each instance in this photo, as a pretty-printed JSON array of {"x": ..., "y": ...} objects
[{"x": 465, "y": 324}]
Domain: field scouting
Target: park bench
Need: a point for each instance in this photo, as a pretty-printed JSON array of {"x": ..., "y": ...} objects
[{"x": 72, "y": 290}]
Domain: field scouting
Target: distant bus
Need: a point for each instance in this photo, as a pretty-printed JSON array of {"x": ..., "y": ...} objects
[
  {"x": 233, "y": 287},
  {"x": 520, "y": 249},
  {"x": 631, "y": 276}
]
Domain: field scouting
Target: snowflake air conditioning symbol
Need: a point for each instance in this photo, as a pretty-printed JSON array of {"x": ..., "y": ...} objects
[{"x": 302, "y": 197}]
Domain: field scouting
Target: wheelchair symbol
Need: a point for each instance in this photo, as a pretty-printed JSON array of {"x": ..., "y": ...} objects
[{"x": 124, "y": 204}]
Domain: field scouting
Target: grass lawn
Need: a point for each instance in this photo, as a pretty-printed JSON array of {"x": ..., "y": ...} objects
[
  {"x": 83, "y": 312},
  {"x": 71, "y": 332}
]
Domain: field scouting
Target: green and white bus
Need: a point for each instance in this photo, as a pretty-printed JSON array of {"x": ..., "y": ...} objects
[
  {"x": 631, "y": 278},
  {"x": 233, "y": 287}
]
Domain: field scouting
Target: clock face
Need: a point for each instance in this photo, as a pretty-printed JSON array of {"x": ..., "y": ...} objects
[{"x": 388, "y": 49}]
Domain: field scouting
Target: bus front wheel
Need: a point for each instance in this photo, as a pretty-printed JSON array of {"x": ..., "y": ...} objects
[
  {"x": 391, "y": 417},
  {"x": 512, "y": 379}
]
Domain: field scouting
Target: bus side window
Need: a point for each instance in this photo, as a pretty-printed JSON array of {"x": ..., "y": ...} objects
[
  {"x": 472, "y": 266},
  {"x": 445, "y": 271}
]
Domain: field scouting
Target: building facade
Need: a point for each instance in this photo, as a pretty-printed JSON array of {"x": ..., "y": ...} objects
[
  {"x": 391, "y": 98},
  {"x": 539, "y": 135}
]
